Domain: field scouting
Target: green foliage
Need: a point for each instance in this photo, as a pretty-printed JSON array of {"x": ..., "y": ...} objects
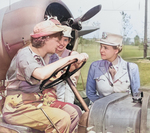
[
  {"x": 130, "y": 51},
  {"x": 92, "y": 50},
  {"x": 144, "y": 69},
  {"x": 137, "y": 40},
  {"x": 85, "y": 41},
  {"x": 127, "y": 41},
  {"x": 126, "y": 25}
]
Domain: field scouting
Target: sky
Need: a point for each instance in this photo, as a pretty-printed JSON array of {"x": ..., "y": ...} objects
[{"x": 109, "y": 18}]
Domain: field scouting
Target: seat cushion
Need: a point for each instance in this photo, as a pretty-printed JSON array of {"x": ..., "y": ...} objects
[{"x": 9, "y": 128}]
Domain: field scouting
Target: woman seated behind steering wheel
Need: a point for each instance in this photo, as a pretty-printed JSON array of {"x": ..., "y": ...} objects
[{"x": 25, "y": 74}]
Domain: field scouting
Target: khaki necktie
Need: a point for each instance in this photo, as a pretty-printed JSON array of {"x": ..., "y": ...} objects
[{"x": 112, "y": 70}]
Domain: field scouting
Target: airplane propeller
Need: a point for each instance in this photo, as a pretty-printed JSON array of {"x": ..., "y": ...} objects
[
  {"x": 77, "y": 23},
  {"x": 89, "y": 14}
]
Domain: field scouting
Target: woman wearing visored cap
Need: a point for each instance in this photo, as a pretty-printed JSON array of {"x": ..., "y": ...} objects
[
  {"x": 26, "y": 72},
  {"x": 110, "y": 74},
  {"x": 63, "y": 91}
]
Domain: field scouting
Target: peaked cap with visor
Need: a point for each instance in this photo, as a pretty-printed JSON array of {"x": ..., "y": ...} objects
[{"x": 111, "y": 39}]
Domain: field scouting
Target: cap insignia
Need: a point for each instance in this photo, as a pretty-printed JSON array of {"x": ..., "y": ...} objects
[{"x": 104, "y": 35}]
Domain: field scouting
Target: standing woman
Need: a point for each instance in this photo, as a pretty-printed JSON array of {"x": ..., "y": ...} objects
[
  {"x": 110, "y": 75},
  {"x": 63, "y": 91}
]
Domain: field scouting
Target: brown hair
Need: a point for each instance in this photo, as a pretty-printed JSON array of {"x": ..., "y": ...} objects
[
  {"x": 119, "y": 49},
  {"x": 40, "y": 41}
]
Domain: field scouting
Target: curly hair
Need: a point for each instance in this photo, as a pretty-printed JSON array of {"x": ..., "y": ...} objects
[{"x": 40, "y": 41}]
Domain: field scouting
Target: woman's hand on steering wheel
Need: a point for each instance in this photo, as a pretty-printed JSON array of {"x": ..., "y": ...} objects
[
  {"x": 82, "y": 57},
  {"x": 66, "y": 74}
]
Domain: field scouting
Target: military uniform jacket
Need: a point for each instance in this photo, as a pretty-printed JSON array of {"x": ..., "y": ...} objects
[{"x": 100, "y": 84}]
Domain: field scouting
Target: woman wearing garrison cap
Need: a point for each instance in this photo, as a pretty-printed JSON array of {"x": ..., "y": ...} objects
[
  {"x": 24, "y": 76},
  {"x": 111, "y": 74}
]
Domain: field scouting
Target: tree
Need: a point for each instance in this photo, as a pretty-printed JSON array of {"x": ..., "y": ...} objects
[
  {"x": 137, "y": 40},
  {"x": 126, "y": 25},
  {"x": 127, "y": 41}
]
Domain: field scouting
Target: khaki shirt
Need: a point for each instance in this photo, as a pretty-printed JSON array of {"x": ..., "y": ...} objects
[{"x": 19, "y": 74}]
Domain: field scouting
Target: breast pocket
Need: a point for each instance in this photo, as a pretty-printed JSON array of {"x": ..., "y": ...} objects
[
  {"x": 122, "y": 85},
  {"x": 125, "y": 79},
  {"x": 100, "y": 79},
  {"x": 103, "y": 86},
  {"x": 98, "y": 76}
]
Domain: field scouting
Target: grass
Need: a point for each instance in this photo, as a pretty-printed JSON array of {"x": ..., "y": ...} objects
[{"x": 129, "y": 53}]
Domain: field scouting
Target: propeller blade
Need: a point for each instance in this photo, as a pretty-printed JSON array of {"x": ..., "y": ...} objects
[
  {"x": 89, "y": 14},
  {"x": 86, "y": 30}
]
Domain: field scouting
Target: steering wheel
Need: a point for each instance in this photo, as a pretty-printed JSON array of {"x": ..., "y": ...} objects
[{"x": 66, "y": 74}]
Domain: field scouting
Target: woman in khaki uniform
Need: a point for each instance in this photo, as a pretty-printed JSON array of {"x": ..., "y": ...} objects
[{"x": 27, "y": 71}]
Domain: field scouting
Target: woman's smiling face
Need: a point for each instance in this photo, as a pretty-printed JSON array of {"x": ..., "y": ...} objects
[{"x": 63, "y": 43}]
